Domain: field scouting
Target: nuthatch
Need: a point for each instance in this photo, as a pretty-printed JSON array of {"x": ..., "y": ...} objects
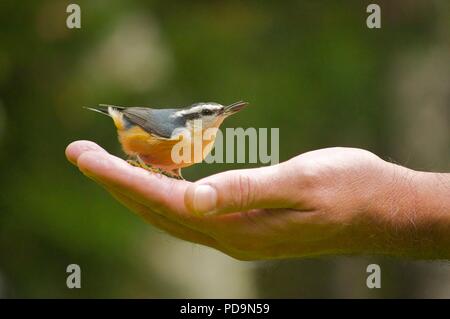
[{"x": 148, "y": 135}]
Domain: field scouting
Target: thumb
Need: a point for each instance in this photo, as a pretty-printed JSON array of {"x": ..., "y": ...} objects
[{"x": 240, "y": 190}]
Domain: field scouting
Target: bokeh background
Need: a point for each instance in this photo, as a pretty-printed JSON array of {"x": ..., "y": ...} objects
[{"x": 311, "y": 68}]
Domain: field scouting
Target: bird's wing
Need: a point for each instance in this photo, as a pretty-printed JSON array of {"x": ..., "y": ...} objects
[{"x": 154, "y": 121}]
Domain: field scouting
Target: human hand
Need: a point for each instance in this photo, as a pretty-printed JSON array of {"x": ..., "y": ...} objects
[{"x": 329, "y": 201}]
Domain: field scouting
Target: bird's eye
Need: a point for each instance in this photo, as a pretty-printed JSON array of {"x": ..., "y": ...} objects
[{"x": 207, "y": 112}]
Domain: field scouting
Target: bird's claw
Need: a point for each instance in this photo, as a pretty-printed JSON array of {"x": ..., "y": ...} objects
[
  {"x": 144, "y": 166},
  {"x": 154, "y": 169},
  {"x": 172, "y": 175}
]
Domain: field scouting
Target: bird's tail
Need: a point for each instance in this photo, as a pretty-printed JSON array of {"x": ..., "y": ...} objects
[
  {"x": 113, "y": 111},
  {"x": 104, "y": 109}
]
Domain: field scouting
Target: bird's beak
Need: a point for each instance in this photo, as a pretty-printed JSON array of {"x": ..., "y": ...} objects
[{"x": 235, "y": 107}]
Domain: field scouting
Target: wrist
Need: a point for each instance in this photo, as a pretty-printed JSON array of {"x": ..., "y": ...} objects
[
  {"x": 412, "y": 218},
  {"x": 430, "y": 202}
]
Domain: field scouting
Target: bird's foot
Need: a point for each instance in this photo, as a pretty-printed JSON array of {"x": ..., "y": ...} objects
[
  {"x": 173, "y": 174},
  {"x": 176, "y": 174},
  {"x": 144, "y": 166},
  {"x": 133, "y": 163}
]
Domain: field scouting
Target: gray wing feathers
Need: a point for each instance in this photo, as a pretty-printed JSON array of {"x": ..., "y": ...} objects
[{"x": 155, "y": 121}]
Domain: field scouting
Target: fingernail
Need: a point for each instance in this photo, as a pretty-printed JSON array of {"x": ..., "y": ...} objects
[{"x": 205, "y": 199}]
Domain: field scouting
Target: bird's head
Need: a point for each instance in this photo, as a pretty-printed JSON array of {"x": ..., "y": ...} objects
[{"x": 210, "y": 114}]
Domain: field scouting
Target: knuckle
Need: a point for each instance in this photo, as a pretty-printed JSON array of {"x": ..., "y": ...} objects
[
  {"x": 309, "y": 177},
  {"x": 243, "y": 191}
]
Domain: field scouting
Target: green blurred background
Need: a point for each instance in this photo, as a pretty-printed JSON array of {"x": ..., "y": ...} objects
[{"x": 311, "y": 68}]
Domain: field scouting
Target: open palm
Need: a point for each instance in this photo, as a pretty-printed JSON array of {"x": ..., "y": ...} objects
[{"x": 320, "y": 202}]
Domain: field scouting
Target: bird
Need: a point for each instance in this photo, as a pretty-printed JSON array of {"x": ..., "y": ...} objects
[{"x": 148, "y": 135}]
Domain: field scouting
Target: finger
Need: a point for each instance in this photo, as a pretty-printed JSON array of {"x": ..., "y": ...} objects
[
  {"x": 75, "y": 149},
  {"x": 161, "y": 222},
  {"x": 240, "y": 190},
  {"x": 159, "y": 192}
]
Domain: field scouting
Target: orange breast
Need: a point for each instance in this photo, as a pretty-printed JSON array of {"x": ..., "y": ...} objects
[{"x": 154, "y": 151}]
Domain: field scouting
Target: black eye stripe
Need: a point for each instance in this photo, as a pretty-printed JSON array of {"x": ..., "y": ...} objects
[
  {"x": 207, "y": 112},
  {"x": 199, "y": 114}
]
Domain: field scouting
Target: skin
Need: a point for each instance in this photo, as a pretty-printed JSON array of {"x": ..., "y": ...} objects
[{"x": 329, "y": 201}]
